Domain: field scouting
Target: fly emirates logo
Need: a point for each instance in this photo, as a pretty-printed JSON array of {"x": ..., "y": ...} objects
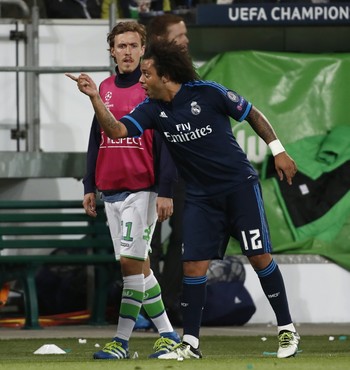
[{"x": 185, "y": 133}]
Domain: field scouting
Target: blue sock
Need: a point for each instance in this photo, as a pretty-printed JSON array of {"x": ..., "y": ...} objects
[
  {"x": 192, "y": 304},
  {"x": 272, "y": 283}
]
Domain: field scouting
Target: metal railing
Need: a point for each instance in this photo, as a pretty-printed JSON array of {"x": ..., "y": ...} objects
[
  {"x": 32, "y": 70},
  {"x": 20, "y": 4}
]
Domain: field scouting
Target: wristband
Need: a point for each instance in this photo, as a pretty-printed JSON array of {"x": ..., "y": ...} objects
[{"x": 276, "y": 147}]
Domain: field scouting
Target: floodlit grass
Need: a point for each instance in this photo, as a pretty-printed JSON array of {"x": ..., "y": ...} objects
[{"x": 234, "y": 353}]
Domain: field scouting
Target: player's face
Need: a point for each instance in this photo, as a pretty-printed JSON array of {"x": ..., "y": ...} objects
[
  {"x": 150, "y": 81},
  {"x": 178, "y": 32},
  {"x": 127, "y": 51}
]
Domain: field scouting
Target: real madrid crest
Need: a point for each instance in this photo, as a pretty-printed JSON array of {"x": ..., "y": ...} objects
[{"x": 195, "y": 108}]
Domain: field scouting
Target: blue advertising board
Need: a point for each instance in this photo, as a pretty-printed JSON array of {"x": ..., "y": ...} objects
[{"x": 273, "y": 14}]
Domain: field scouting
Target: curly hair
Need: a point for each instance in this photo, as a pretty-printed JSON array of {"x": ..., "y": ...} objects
[
  {"x": 171, "y": 60},
  {"x": 122, "y": 27}
]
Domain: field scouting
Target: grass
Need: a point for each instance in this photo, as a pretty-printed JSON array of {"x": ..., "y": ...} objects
[{"x": 234, "y": 353}]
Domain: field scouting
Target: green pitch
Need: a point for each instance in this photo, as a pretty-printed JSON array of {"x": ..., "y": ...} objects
[{"x": 234, "y": 353}]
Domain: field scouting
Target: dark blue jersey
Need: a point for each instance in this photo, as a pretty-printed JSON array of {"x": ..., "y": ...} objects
[{"x": 197, "y": 129}]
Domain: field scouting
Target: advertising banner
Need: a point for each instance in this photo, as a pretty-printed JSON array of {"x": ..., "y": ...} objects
[{"x": 273, "y": 14}]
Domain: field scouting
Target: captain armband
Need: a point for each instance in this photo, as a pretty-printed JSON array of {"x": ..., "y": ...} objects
[{"x": 276, "y": 147}]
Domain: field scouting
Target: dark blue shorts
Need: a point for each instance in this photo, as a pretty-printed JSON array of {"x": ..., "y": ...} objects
[{"x": 209, "y": 223}]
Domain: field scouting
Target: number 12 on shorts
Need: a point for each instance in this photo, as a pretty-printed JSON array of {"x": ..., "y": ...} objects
[{"x": 251, "y": 238}]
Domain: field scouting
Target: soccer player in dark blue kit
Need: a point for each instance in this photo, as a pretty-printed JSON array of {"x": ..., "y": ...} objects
[{"x": 223, "y": 195}]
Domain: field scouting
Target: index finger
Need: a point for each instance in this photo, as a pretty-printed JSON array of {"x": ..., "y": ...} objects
[
  {"x": 72, "y": 77},
  {"x": 289, "y": 175}
]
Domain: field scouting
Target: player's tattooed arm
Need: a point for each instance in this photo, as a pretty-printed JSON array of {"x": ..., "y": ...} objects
[
  {"x": 111, "y": 126},
  {"x": 261, "y": 125},
  {"x": 284, "y": 164}
]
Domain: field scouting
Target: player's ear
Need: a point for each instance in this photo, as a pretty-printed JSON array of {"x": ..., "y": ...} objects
[{"x": 165, "y": 79}]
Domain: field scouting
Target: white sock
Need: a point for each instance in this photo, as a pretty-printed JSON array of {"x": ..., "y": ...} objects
[
  {"x": 190, "y": 339},
  {"x": 135, "y": 284},
  {"x": 289, "y": 327},
  {"x": 154, "y": 306}
]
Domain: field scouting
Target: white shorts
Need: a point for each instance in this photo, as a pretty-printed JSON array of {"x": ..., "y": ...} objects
[{"x": 131, "y": 223}]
